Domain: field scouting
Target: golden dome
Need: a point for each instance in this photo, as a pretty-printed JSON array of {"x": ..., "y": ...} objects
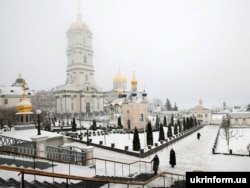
[
  {"x": 24, "y": 106},
  {"x": 119, "y": 78},
  {"x": 79, "y": 24}
]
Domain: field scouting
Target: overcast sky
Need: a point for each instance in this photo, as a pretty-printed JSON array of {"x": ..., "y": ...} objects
[{"x": 179, "y": 49}]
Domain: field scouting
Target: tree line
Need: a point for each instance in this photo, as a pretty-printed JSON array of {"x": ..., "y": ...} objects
[{"x": 173, "y": 128}]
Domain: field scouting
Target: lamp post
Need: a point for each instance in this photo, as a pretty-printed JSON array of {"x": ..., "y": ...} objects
[{"x": 38, "y": 112}]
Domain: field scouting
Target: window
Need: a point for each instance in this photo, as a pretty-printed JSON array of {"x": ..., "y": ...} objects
[
  {"x": 83, "y": 41},
  {"x": 244, "y": 120},
  {"x": 199, "y": 115},
  {"x": 6, "y": 101},
  {"x": 86, "y": 77},
  {"x": 85, "y": 59}
]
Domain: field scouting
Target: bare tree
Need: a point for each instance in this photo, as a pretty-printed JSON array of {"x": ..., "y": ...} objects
[
  {"x": 8, "y": 116},
  {"x": 226, "y": 132},
  {"x": 156, "y": 103}
]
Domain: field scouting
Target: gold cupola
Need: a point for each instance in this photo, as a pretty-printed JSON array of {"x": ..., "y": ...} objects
[
  {"x": 119, "y": 78},
  {"x": 119, "y": 82},
  {"x": 79, "y": 24},
  {"x": 134, "y": 83},
  {"x": 24, "y": 105}
]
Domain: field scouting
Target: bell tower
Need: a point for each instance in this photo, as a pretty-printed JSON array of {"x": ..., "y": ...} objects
[
  {"x": 80, "y": 93},
  {"x": 80, "y": 69}
]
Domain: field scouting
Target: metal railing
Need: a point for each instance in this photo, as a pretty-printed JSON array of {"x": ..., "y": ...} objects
[
  {"x": 164, "y": 179},
  {"x": 120, "y": 168}
]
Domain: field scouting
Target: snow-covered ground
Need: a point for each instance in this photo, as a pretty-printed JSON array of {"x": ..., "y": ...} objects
[
  {"x": 239, "y": 141},
  {"x": 191, "y": 155}
]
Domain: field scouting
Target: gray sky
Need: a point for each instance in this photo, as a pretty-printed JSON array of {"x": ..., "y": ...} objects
[{"x": 179, "y": 49}]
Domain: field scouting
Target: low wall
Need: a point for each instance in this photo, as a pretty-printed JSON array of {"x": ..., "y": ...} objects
[{"x": 141, "y": 153}]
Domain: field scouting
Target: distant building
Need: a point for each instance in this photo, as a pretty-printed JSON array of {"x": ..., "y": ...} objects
[
  {"x": 240, "y": 117},
  {"x": 219, "y": 113},
  {"x": 134, "y": 108},
  {"x": 45, "y": 101},
  {"x": 202, "y": 114},
  {"x": 79, "y": 94},
  {"x": 112, "y": 97},
  {"x": 11, "y": 95},
  {"x": 129, "y": 104}
]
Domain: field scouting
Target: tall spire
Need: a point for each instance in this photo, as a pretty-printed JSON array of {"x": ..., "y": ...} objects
[
  {"x": 79, "y": 24},
  {"x": 134, "y": 82},
  {"x": 200, "y": 101},
  {"x": 79, "y": 16}
]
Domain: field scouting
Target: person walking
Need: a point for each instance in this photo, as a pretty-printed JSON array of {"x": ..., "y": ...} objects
[
  {"x": 156, "y": 163},
  {"x": 198, "y": 136},
  {"x": 172, "y": 159}
]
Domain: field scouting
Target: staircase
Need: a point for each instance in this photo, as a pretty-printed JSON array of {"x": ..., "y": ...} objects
[
  {"x": 12, "y": 183},
  {"x": 144, "y": 177},
  {"x": 91, "y": 182},
  {"x": 24, "y": 163},
  {"x": 139, "y": 177}
]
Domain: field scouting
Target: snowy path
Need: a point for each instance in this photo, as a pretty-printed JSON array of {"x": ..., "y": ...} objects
[
  {"x": 196, "y": 155},
  {"x": 191, "y": 153}
]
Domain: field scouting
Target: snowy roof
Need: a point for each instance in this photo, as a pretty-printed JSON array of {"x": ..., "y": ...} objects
[
  {"x": 240, "y": 113},
  {"x": 26, "y": 134},
  {"x": 13, "y": 90},
  {"x": 217, "y": 116},
  {"x": 117, "y": 102},
  {"x": 199, "y": 107},
  {"x": 76, "y": 144}
]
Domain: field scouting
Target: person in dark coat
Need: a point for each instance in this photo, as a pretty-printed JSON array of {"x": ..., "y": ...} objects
[
  {"x": 198, "y": 136},
  {"x": 156, "y": 163},
  {"x": 172, "y": 160}
]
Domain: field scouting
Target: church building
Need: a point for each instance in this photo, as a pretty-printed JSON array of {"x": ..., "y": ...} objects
[
  {"x": 201, "y": 113},
  {"x": 10, "y": 95},
  {"x": 79, "y": 94}
]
